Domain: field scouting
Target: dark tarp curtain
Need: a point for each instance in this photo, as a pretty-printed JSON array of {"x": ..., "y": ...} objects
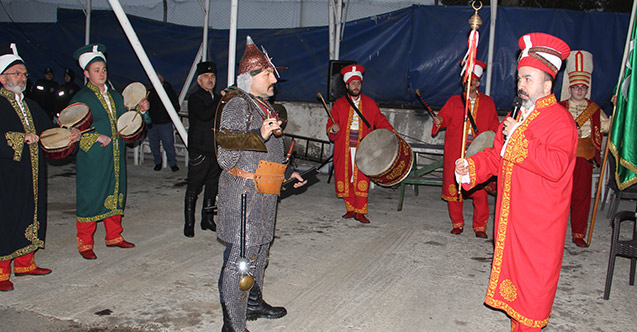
[{"x": 419, "y": 47}]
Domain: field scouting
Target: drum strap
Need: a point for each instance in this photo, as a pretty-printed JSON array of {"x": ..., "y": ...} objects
[
  {"x": 351, "y": 103},
  {"x": 473, "y": 122}
]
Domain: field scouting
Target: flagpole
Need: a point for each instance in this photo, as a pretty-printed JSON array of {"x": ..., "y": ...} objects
[
  {"x": 470, "y": 60},
  {"x": 610, "y": 128}
]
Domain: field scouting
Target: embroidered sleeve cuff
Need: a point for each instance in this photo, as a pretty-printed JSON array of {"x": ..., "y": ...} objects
[
  {"x": 463, "y": 178},
  {"x": 16, "y": 141},
  {"x": 472, "y": 173},
  {"x": 87, "y": 140}
]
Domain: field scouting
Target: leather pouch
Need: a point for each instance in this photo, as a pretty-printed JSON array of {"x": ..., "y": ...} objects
[{"x": 269, "y": 177}]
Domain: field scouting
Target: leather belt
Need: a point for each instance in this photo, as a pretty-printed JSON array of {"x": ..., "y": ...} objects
[{"x": 237, "y": 172}]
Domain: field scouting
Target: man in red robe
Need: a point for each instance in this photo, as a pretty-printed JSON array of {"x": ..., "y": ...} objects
[
  {"x": 591, "y": 123},
  {"x": 451, "y": 116},
  {"x": 534, "y": 157},
  {"x": 346, "y": 132}
]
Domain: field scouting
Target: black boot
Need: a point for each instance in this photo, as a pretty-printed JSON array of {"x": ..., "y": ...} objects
[
  {"x": 207, "y": 215},
  {"x": 190, "y": 202},
  {"x": 227, "y": 323},
  {"x": 257, "y": 308}
]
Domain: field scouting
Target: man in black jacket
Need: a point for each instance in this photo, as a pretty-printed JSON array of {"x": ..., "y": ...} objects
[
  {"x": 161, "y": 129},
  {"x": 202, "y": 166}
]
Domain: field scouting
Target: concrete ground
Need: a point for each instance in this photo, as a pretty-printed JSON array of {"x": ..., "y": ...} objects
[{"x": 402, "y": 272}]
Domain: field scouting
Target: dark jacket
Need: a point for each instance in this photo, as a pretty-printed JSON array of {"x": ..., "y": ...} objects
[
  {"x": 157, "y": 111},
  {"x": 201, "y": 117}
]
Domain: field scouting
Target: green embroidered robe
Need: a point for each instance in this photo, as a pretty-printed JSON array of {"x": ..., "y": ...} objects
[{"x": 101, "y": 171}]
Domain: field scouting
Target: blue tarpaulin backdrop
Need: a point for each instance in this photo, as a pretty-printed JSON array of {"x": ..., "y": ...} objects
[{"x": 419, "y": 47}]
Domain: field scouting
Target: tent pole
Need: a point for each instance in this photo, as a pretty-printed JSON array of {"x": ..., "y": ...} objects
[
  {"x": 204, "y": 54},
  {"x": 494, "y": 15},
  {"x": 232, "y": 41},
  {"x": 148, "y": 67},
  {"x": 87, "y": 31},
  {"x": 191, "y": 75}
]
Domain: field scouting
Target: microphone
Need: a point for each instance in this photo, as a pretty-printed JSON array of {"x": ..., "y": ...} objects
[{"x": 517, "y": 104}]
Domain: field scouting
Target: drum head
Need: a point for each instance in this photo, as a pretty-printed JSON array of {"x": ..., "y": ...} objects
[
  {"x": 129, "y": 123},
  {"x": 377, "y": 151},
  {"x": 133, "y": 94},
  {"x": 482, "y": 141},
  {"x": 55, "y": 138},
  {"x": 73, "y": 114}
]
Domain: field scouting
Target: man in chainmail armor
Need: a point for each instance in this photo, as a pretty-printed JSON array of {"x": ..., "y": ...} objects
[{"x": 251, "y": 154}]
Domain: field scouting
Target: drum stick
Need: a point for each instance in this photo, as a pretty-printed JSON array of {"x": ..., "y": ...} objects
[
  {"x": 47, "y": 135},
  {"x": 87, "y": 129},
  {"x": 120, "y": 131},
  {"x": 137, "y": 106},
  {"x": 422, "y": 100},
  {"x": 318, "y": 95},
  {"x": 81, "y": 132}
]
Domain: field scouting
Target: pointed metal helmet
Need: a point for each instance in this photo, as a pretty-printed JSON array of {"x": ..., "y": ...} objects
[{"x": 254, "y": 60}]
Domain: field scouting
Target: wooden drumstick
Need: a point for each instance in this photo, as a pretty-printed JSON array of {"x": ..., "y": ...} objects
[
  {"x": 61, "y": 139},
  {"x": 318, "y": 95},
  {"x": 48, "y": 135},
  {"x": 81, "y": 132},
  {"x": 120, "y": 131},
  {"x": 87, "y": 129},
  {"x": 422, "y": 100},
  {"x": 137, "y": 106}
]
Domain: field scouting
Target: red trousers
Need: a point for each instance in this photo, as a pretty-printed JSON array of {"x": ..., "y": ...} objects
[
  {"x": 581, "y": 197},
  {"x": 85, "y": 231},
  {"x": 480, "y": 210},
  {"x": 519, "y": 327},
  {"x": 21, "y": 264},
  {"x": 356, "y": 203}
]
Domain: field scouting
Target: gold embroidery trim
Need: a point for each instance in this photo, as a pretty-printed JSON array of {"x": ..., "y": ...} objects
[
  {"x": 101, "y": 216},
  {"x": 115, "y": 240},
  {"x": 112, "y": 117},
  {"x": 586, "y": 114},
  {"x": 31, "y": 232},
  {"x": 508, "y": 290},
  {"x": 87, "y": 140},
  {"x": 518, "y": 148},
  {"x": 16, "y": 142},
  {"x": 81, "y": 247},
  {"x": 498, "y": 253}
]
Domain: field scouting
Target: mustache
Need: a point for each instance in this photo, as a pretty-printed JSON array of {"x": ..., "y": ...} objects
[{"x": 522, "y": 93}]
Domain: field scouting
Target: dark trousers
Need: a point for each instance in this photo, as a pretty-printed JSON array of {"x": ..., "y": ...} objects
[
  {"x": 203, "y": 170},
  {"x": 164, "y": 133}
]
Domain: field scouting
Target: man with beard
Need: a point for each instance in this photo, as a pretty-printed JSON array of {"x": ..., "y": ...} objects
[
  {"x": 252, "y": 155},
  {"x": 591, "y": 123},
  {"x": 451, "y": 117},
  {"x": 22, "y": 172},
  {"x": 534, "y": 157},
  {"x": 347, "y": 130}
]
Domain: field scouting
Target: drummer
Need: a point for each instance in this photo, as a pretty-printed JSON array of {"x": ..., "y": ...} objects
[
  {"x": 22, "y": 172},
  {"x": 451, "y": 116},
  {"x": 347, "y": 130},
  {"x": 101, "y": 159}
]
